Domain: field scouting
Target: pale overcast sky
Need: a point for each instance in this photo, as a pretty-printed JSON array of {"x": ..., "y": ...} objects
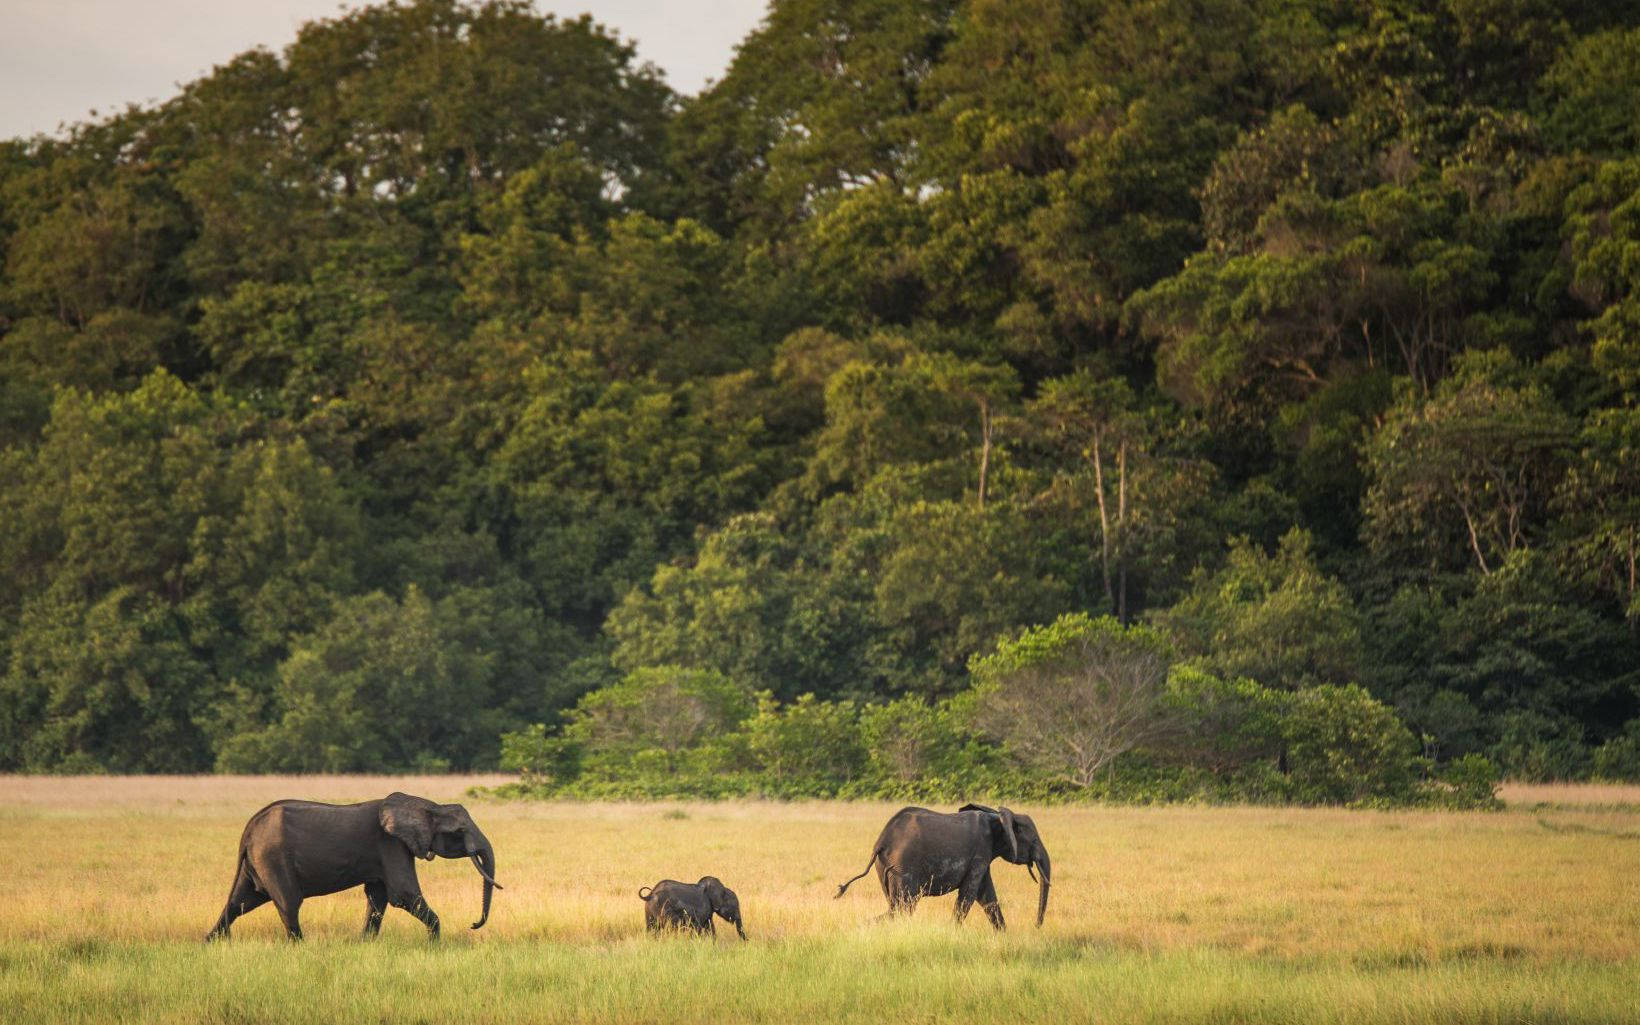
[{"x": 60, "y": 59}]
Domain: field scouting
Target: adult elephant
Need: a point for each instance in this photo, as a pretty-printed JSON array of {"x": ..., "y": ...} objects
[
  {"x": 292, "y": 850},
  {"x": 928, "y": 853}
]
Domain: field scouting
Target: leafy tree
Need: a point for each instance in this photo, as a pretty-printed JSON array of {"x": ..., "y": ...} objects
[
  {"x": 1593, "y": 88},
  {"x": 809, "y": 748},
  {"x": 1275, "y": 618},
  {"x": 1071, "y": 697},
  {"x": 385, "y": 686},
  {"x": 1475, "y": 464},
  {"x": 663, "y": 710},
  {"x": 1344, "y": 747}
]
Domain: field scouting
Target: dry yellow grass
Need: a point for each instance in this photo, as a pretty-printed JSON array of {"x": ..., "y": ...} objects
[
  {"x": 1484, "y": 913},
  {"x": 1609, "y": 794}
]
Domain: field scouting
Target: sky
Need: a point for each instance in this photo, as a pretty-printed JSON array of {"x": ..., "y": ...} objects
[{"x": 62, "y": 59}]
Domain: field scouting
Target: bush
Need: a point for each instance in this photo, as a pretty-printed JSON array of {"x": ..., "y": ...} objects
[
  {"x": 1618, "y": 759},
  {"x": 913, "y": 740},
  {"x": 1069, "y": 698},
  {"x": 657, "y": 714},
  {"x": 1221, "y": 725},
  {"x": 1467, "y": 782},
  {"x": 809, "y": 748},
  {"x": 1538, "y": 749},
  {"x": 540, "y": 758},
  {"x": 1345, "y": 747}
]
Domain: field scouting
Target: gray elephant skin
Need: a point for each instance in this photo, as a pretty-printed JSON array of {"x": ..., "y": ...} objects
[
  {"x": 923, "y": 853},
  {"x": 292, "y": 850},
  {"x": 670, "y": 904}
]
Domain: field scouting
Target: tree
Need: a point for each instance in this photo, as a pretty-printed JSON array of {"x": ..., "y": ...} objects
[
  {"x": 385, "y": 686},
  {"x": 1479, "y": 459},
  {"x": 663, "y": 711},
  {"x": 1599, "y": 502},
  {"x": 1275, "y": 618},
  {"x": 1071, "y": 697}
]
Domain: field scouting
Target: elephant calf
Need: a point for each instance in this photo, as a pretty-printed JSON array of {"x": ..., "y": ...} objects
[
  {"x": 670, "y": 904},
  {"x": 291, "y": 850}
]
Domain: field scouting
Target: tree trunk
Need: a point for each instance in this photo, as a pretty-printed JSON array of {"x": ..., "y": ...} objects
[
  {"x": 1121, "y": 525},
  {"x": 1104, "y": 519},
  {"x": 984, "y": 449}
]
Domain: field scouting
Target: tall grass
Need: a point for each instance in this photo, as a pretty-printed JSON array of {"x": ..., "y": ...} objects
[{"x": 1157, "y": 914}]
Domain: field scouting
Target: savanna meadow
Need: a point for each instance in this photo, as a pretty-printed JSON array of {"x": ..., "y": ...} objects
[
  {"x": 1165, "y": 914},
  {"x": 1204, "y": 434}
]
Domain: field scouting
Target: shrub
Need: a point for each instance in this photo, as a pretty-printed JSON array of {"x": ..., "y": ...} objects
[
  {"x": 1071, "y": 697},
  {"x": 810, "y": 748},
  {"x": 666, "y": 710},
  {"x": 1221, "y": 725},
  {"x": 540, "y": 758},
  {"x": 1467, "y": 782},
  {"x": 913, "y": 740},
  {"x": 1618, "y": 759},
  {"x": 1345, "y": 747},
  {"x": 1539, "y": 749}
]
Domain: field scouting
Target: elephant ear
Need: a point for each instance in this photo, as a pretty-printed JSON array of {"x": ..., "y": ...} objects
[
  {"x": 976, "y": 807},
  {"x": 714, "y": 890},
  {"x": 410, "y": 820},
  {"x": 1008, "y": 828}
]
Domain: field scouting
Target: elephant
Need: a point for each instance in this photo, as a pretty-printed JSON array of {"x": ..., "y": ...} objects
[
  {"x": 292, "y": 850},
  {"x": 670, "y": 904},
  {"x": 923, "y": 853}
]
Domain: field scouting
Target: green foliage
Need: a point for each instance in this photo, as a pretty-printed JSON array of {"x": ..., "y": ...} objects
[
  {"x": 1071, "y": 697},
  {"x": 412, "y": 384},
  {"x": 1229, "y": 727},
  {"x": 1277, "y": 619},
  {"x": 1540, "y": 748},
  {"x": 655, "y": 715},
  {"x": 1468, "y": 472},
  {"x": 1618, "y": 759},
  {"x": 1344, "y": 747},
  {"x": 385, "y": 686},
  {"x": 1469, "y": 782}
]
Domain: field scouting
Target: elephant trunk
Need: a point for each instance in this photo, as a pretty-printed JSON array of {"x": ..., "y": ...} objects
[
  {"x": 1045, "y": 868},
  {"x": 483, "y": 856}
]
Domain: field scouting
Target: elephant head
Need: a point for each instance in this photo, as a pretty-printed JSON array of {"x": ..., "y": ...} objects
[
  {"x": 1018, "y": 843},
  {"x": 723, "y": 900},
  {"x": 443, "y": 830}
]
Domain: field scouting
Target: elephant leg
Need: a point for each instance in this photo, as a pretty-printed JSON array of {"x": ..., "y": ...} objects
[
  {"x": 988, "y": 901},
  {"x": 416, "y": 905},
  {"x": 375, "y": 898},
  {"x": 965, "y": 900},
  {"x": 404, "y": 891},
  {"x": 902, "y": 895},
  {"x": 278, "y": 881},
  {"x": 288, "y": 902},
  {"x": 242, "y": 898}
]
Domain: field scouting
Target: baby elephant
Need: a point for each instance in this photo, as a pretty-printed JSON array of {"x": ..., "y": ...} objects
[{"x": 670, "y": 904}]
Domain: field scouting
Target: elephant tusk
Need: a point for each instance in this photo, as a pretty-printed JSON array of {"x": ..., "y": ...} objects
[
  {"x": 487, "y": 877},
  {"x": 1031, "y": 870}
]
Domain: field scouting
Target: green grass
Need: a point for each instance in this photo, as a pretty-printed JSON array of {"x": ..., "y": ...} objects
[{"x": 1158, "y": 915}]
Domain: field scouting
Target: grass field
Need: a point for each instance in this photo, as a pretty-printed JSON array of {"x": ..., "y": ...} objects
[{"x": 1176, "y": 914}]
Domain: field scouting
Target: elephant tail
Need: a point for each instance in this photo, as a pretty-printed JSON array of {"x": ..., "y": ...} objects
[
  {"x": 644, "y": 892},
  {"x": 844, "y": 888}
]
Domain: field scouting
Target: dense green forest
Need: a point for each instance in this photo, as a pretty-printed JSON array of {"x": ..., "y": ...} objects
[{"x": 448, "y": 378}]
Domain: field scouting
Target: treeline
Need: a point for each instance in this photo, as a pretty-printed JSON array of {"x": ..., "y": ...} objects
[
  {"x": 447, "y": 377},
  {"x": 1082, "y": 708}
]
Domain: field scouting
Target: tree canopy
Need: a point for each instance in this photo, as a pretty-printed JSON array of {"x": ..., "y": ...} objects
[{"x": 446, "y": 375}]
